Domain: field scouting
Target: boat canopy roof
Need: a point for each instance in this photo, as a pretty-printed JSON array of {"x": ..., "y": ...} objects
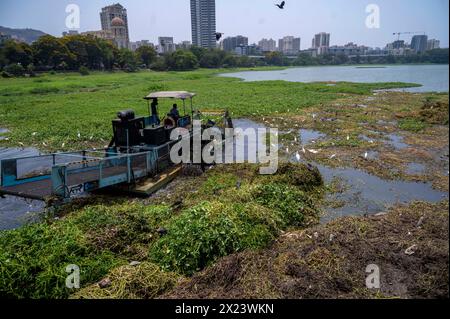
[{"x": 170, "y": 95}]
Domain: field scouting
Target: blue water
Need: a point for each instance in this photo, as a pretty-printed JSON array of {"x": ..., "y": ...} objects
[
  {"x": 369, "y": 194},
  {"x": 431, "y": 77},
  {"x": 397, "y": 141},
  {"x": 15, "y": 211}
]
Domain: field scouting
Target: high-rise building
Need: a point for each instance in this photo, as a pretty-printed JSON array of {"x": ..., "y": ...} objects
[
  {"x": 289, "y": 45},
  {"x": 184, "y": 45},
  {"x": 398, "y": 44},
  {"x": 166, "y": 45},
  {"x": 419, "y": 43},
  {"x": 267, "y": 45},
  {"x": 231, "y": 43},
  {"x": 321, "y": 40},
  {"x": 280, "y": 45},
  {"x": 105, "y": 35},
  {"x": 433, "y": 44},
  {"x": 143, "y": 43},
  {"x": 203, "y": 21},
  {"x": 398, "y": 48},
  {"x": 296, "y": 44},
  {"x": 350, "y": 49},
  {"x": 247, "y": 50},
  {"x": 114, "y": 18}
]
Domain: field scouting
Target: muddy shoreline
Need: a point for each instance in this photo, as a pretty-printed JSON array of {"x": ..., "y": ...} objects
[{"x": 409, "y": 245}]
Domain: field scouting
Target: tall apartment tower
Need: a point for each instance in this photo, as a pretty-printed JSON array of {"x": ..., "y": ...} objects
[
  {"x": 117, "y": 13},
  {"x": 321, "y": 42},
  {"x": 231, "y": 43},
  {"x": 203, "y": 20},
  {"x": 289, "y": 45},
  {"x": 267, "y": 45},
  {"x": 166, "y": 45},
  {"x": 433, "y": 44},
  {"x": 419, "y": 43}
]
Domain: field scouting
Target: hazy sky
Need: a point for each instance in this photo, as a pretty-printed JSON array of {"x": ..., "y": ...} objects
[{"x": 344, "y": 19}]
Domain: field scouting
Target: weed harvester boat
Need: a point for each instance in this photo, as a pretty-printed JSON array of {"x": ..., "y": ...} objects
[{"x": 137, "y": 160}]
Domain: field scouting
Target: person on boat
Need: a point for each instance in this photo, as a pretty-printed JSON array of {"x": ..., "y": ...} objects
[{"x": 174, "y": 113}]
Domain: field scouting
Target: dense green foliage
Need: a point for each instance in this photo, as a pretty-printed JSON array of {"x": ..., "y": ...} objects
[
  {"x": 100, "y": 237},
  {"x": 50, "y": 110},
  {"x": 72, "y": 52},
  {"x": 412, "y": 124},
  {"x": 237, "y": 218},
  {"x": 206, "y": 232},
  {"x": 433, "y": 56},
  {"x": 84, "y": 70},
  {"x": 147, "y": 55},
  {"x": 181, "y": 60},
  {"x": 33, "y": 260}
]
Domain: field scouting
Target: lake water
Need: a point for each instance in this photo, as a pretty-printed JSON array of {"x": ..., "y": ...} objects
[
  {"x": 15, "y": 211},
  {"x": 369, "y": 194},
  {"x": 431, "y": 77}
]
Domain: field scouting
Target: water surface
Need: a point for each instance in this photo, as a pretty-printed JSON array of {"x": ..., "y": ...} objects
[
  {"x": 369, "y": 194},
  {"x": 310, "y": 136},
  {"x": 15, "y": 211},
  {"x": 431, "y": 77}
]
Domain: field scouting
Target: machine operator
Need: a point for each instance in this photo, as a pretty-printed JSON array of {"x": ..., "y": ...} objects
[{"x": 174, "y": 113}]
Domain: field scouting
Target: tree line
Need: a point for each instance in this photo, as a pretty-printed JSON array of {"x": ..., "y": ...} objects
[
  {"x": 84, "y": 53},
  {"x": 69, "y": 53},
  {"x": 438, "y": 56}
]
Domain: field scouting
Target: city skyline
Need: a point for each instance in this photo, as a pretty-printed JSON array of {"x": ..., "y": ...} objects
[{"x": 261, "y": 21}]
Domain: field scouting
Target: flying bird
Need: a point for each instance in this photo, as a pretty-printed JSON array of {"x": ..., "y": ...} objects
[
  {"x": 218, "y": 36},
  {"x": 281, "y": 5}
]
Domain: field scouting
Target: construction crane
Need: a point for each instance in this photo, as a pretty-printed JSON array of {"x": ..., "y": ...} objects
[{"x": 400, "y": 33}]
